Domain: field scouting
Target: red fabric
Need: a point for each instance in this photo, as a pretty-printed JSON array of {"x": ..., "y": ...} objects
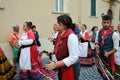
[
  {"x": 109, "y": 31},
  {"x": 1, "y": 50},
  {"x": 87, "y": 37},
  {"x": 117, "y": 68},
  {"x": 61, "y": 51},
  {"x": 61, "y": 48},
  {"x": 112, "y": 64},
  {"x": 41, "y": 66},
  {"x": 33, "y": 49},
  {"x": 68, "y": 74}
]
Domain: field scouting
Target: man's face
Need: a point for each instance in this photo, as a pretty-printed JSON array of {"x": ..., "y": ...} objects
[
  {"x": 17, "y": 29},
  {"x": 106, "y": 24}
]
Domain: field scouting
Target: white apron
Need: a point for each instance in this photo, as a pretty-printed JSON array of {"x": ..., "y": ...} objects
[
  {"x": 25, "y": 60},
  {"x": 83, "y": 47}
]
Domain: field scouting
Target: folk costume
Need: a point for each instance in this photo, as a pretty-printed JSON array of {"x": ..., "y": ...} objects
[
  {"x": 85, "y": 54},
  {"x": 29, "y": 58},
  {"x": 66, "y": 50},
  {"x": 107, "y": 41}
]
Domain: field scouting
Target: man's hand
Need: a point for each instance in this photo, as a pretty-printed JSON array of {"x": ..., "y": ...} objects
[
  {"x": 106, "y": 54},
  {"x": 97, "y": 49}
]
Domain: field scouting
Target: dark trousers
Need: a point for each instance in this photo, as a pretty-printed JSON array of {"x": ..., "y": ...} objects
[{"x": 76, "y": 68}]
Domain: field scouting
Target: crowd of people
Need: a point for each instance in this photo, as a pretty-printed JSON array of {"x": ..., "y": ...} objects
[{"x": 73, "y": 47}]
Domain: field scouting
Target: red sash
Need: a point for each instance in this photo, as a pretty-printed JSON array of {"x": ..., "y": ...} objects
[{"x": 112, "y": 64}]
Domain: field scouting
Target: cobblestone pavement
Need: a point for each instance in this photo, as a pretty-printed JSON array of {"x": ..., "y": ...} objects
[{"x": 89, "y": 73}]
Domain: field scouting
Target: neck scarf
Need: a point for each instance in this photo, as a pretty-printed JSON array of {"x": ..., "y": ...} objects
[{"x": 104, "y": 35}]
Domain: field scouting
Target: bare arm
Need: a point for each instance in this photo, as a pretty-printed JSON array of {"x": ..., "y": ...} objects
[
  {"x": 54, "y": 65},
  {"x": 12, "y": 45},
  {"x": 110, "y": 52}
]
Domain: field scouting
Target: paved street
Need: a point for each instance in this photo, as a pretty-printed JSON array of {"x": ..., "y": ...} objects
[
  {"x": 86, "y": 73},
  {"x": 89, "y": 73}
]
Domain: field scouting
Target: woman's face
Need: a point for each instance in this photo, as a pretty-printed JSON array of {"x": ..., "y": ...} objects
[
  {"x": 61, "y": 27},
  {"x": 34, "y": 29},
  {"x": 25, "y": 28},
  {"x": 96, "y": 29},
  {"x": 83, "y": 27}
]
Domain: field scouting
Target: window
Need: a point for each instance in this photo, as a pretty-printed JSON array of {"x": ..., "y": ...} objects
[
  {"x": 0, "y": 3},
  {"x": 59, "y": 5},
  {"x": 93, "y": 7},
  {"x": 119, "y": 15}
]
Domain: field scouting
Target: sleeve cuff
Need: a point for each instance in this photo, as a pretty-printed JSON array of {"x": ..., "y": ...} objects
[{"x": 66, "y": 62}]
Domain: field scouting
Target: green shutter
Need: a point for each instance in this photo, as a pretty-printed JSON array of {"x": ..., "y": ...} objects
[{"x": 93, "y": 7}]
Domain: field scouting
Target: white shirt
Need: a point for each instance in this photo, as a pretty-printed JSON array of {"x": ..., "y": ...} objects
[
  {"x": 115, "y": 38},
  {"x": 73, "y": 50},
  {"x": 117, "y": 55},
  {"x": 54, "y": 35}
]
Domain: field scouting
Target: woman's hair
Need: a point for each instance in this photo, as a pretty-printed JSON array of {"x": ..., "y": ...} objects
[
  {"x": 66, "y": 21},
  {"x": 33, "y": 26},
  {"x": 94, "y": 28},
  {"x": 28, "y": 24}
]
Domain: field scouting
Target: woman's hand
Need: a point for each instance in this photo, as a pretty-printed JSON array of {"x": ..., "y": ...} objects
[
  {"x": 50, "y": 66},
  {"x": 50, "y": 39}
]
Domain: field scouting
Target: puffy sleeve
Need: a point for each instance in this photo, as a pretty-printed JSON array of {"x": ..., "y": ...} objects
[
  {"x": 25, "y": 42},
  {"x": 28, "y": 40},
  {"x": 73, "y": 50}
]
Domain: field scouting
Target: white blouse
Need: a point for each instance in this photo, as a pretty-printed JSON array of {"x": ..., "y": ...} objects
[{"x": 73, "y": 50}]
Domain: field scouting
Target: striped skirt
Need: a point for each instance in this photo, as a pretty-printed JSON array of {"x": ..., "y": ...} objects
[
  {"x": 6, "y": 69},
  {"x": 33, "y": 74}
]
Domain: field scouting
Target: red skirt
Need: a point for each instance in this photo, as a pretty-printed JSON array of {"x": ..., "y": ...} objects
[{"x": 68, "y": 74}]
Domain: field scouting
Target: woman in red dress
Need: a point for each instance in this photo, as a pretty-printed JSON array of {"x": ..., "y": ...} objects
[{"x": 29, "y": 61}]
